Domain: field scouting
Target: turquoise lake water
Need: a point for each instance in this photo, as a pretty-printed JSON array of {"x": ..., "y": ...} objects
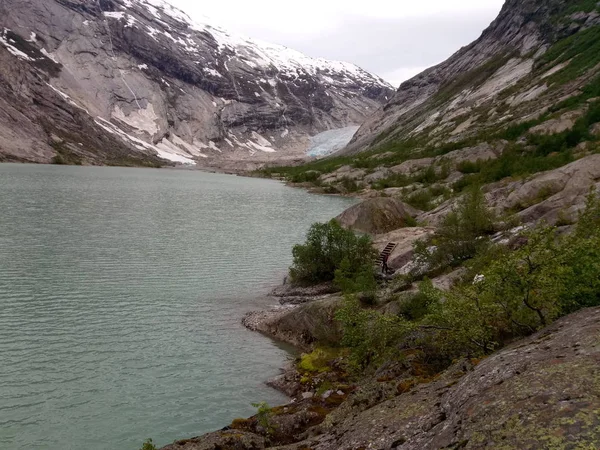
[{"x": 121, "y": 294}]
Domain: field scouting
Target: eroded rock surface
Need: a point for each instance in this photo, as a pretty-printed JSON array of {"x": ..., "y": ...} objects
[
  {"x": 378, "y": 215},
  {"x": 541, "y": 392},
  {"x": 147, "y": 76}
]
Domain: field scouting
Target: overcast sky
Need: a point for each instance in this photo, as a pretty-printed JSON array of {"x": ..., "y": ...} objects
[{"x": 395, "y": 39}]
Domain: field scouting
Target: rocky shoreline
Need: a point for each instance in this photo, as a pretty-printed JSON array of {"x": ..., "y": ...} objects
[{"x": 542, "y": 389}]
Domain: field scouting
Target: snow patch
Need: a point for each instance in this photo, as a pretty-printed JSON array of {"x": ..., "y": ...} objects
[
  {"x": 49, "y": 55},
  {"x": 13, "y": 50},
  {"x": 255, "y": 53},
  {"x": 260, "y": 140},
  {"x": 191, "y": 149},
  {"x": 114, "y": 15},
  {"x": 262, "y": 148},
  {"x": 212, "y": 72}
]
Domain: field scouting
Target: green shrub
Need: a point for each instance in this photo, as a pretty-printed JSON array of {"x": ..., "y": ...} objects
[
  {"x": 462, "y": 234},
  {"x": 263, "y": 417},
  {"x": 349, "y": 185},
  {"x": 148, "y": 445},
  {"x": 330, "y": 247},
  {"x": 505, "y": 294},
  {"x": 581, "y": 254},
  {"x": 468, "y": 167},
  {"x": 419, "y": 304},
  {"x": 352, "y": 279},
  {"x": 310, "y": 176},
  {"x": 370, "y": 336},
  {"x": 518, "y": 292},
  {"x": 420, "y": 200}
]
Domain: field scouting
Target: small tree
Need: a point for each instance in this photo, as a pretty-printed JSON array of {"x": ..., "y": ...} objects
[
  {"x": 463, "y": 233},
  {"x": 370, "y": 336},
  {"x": 148, "y": 445},
  {"x": 329, "y": 248}
]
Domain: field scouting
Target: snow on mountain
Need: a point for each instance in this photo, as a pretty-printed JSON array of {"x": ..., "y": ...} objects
[{"x": 188, "y": 89}]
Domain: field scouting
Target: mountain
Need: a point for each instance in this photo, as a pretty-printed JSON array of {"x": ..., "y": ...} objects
[
  {"x": 535, "y": 54},
  {"x": 127, "y": 81},
  {"x": 517, "y": 113}
]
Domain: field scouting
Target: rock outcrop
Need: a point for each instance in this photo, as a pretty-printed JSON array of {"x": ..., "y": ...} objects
[
  {"x": 378, "y": 216},
  {"x": 505, "y": 77},
  {"x": 541, "y": 392},
  {"x": 139, "y": 76}
]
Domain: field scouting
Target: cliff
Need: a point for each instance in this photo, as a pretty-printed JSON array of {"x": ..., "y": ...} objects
[{"x": 141, "y": 75}]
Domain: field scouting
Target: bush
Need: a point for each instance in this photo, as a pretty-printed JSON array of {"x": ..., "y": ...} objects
[
  {"x": 351, "y": 279},
  {"x": 418, "y": 305},
  {"x": 420, "y": 200},
  {"x": 506, "y": 294},
  {"x": 522, "y": 291},
  {"x": 330, "y": 248},
  {"x": 148, "y": 445},
  {"x": 370, "y": 336},
  {"x": 461, "y": 236}
]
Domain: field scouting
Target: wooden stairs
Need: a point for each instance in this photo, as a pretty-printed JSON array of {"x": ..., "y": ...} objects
[{"x": 387, "y": 251}]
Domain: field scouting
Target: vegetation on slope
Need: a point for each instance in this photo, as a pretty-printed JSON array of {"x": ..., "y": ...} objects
[{"x": 505, "y": 293}]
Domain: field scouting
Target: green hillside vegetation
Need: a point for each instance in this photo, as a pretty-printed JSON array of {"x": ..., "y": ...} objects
[
  {"x": 504, "y": 294},
  {"x": 580, "y": 53}
]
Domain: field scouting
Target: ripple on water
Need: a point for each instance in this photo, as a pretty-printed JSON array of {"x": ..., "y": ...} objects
[{"x": 121, "y": 292}]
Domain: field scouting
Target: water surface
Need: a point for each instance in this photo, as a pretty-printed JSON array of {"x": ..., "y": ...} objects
[{"x": 121, "y": 292}]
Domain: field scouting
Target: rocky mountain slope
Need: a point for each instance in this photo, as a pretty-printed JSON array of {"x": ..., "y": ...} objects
[
  {"x": 121, "y": 81},
  {"x": 530, "y": 58},
  {"x": 517, "y": 113}
]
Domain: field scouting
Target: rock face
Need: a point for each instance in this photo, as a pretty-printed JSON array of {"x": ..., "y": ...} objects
[
  {"x": 500, "y": 79},
  {"x": 553, "y": 196},
  {"x": 143, "y": 76},
  {"x": 377, "y": 215},
  {"x": 300, "y": 326},
  {"x": 542, "y": 392}
]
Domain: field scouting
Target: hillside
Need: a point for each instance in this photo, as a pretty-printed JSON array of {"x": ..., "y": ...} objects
[
  {"x": 508, "y": 112},
  {"x": 122, "y": 81}
]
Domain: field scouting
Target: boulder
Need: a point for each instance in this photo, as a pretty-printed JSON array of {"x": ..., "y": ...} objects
[
  {"x": 412, "y": 166},
  {"x": 300, "y": 326},
  {"x": 344, "y": 172},
  {"x": 553, "y": 126},
  {"x": 378, "y": 175},
  {"x": 377, "y": 215},
  {"x": 481, "y": 152}
]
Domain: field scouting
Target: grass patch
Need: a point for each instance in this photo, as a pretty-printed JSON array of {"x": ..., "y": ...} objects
[
  {"x": 318, "y": 361},
  {"x": 582, "y": 48},
  {"x": 551, "y": 152}
]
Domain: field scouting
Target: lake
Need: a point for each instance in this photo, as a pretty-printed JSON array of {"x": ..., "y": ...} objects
[{"x": 121, "y": 294}]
